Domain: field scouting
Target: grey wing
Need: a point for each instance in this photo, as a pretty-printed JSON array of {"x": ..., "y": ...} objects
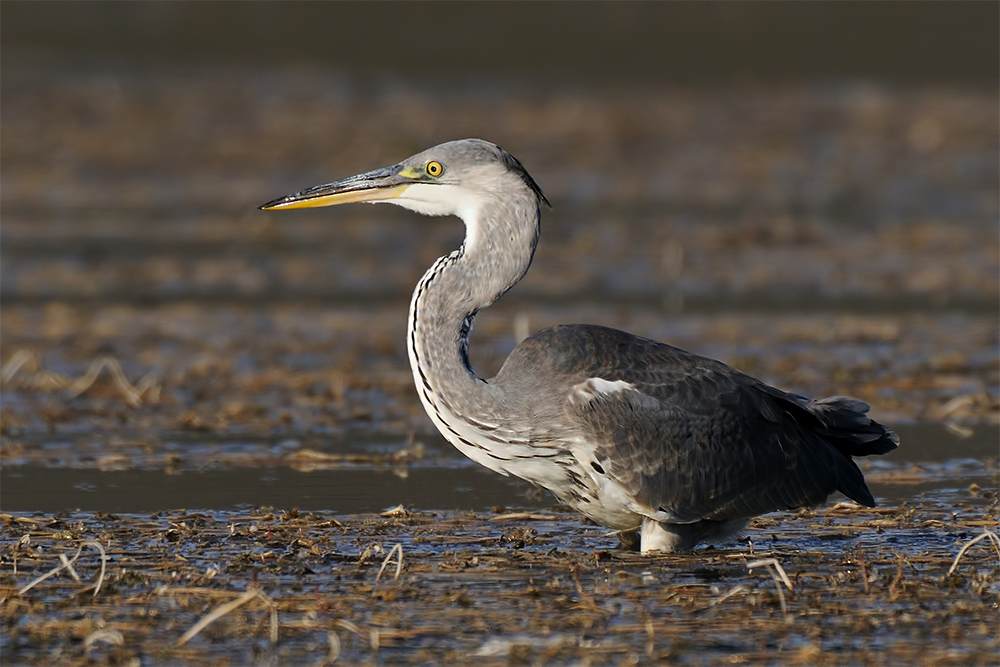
[
  {"x": 689, "y": 438},
  {"x": 714, "y": 462}
]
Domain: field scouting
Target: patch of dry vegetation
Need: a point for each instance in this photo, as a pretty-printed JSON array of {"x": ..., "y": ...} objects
[{"x": 836, "y": 586}]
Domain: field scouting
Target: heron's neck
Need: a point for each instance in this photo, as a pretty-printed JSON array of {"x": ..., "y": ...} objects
[{"x": 499, "y": 245}]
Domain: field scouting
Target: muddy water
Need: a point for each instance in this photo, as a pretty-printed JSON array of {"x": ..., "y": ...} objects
[{"x": 935, "y": 464}]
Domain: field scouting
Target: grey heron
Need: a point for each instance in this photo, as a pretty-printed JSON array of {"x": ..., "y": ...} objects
[{"x": 642, "y": 437}]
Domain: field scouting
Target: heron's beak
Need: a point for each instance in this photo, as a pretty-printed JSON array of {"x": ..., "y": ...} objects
[{"x": 374, "y": 186}]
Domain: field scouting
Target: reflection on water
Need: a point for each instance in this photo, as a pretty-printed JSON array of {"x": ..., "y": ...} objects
[
  {"x": 930, "y": 463},
  {"x": 343, "y": 491}
]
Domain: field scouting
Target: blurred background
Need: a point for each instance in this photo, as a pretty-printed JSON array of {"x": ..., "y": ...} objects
[{"x": 808, "y": 191}]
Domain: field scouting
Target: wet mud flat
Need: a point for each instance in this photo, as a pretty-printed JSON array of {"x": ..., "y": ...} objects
[{"x": 844, "y": 584}]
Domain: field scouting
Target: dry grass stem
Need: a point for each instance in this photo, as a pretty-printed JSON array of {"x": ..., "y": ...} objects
[
  {"x": 374, "y": 547},
  {"x": 113, "y": 637},
  {"x": 470, "y": 594},
  {"x": 334, "y": 640},
  {"x": 133, "y": 394},
  {"x": 398, "y": 551},
  {"x": 273, "y": 608},
  {"x": 778, "y": 574},
  {"x": 100, "y": 576},
  {"x": 22, "y": 543},
  {"x": 50, "y": 573},
  {"x": 218, "y": 613},
  {"x": 957, "y": 429},
  {"x": 898, "y": 579},
  {"x": 735, "y": 590},
  {"x": 955, "y": 405},
  {"x": 347, "y": 625},
  {"x": 778, "y": 570},
  {"x": 989, "y": 534},
  {"x": 68, "y": 566},
  {"x": 864, "y": 570},
  {"x": 584, "y": 596},
  {"x": 15, "y": 363}
]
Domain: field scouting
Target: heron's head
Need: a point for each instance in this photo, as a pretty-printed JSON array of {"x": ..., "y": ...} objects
[{"x": 455, "y": 178}]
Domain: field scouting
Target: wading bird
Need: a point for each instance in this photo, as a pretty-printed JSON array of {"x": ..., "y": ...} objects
[{"x": 644, "y": 438}]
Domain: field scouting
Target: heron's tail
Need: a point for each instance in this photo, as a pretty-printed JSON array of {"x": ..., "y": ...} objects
[{"x": 845, "y": 424}]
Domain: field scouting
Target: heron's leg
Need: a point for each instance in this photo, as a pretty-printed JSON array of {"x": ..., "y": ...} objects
[{"x": 667, "y": 537}]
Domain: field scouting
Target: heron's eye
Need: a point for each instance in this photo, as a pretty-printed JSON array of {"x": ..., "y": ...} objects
[{"x": 434, "y": 168}]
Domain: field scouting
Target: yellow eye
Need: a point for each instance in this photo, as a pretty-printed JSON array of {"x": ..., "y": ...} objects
[{"x": 434, "y": 168}]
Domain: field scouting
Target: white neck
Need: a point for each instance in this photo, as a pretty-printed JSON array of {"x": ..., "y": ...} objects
[{"x": 442, "y": 310}]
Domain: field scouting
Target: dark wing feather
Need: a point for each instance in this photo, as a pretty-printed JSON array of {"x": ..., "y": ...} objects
[
  {"x": 712, "y": 463},
  {"x": 698, "y": 439}
]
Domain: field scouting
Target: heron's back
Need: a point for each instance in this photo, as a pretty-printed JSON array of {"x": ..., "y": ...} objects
[{"x": 687, "y": 437}]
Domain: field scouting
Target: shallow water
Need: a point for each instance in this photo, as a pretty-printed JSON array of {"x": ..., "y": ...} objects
[{"x": 930, "y": 463}]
